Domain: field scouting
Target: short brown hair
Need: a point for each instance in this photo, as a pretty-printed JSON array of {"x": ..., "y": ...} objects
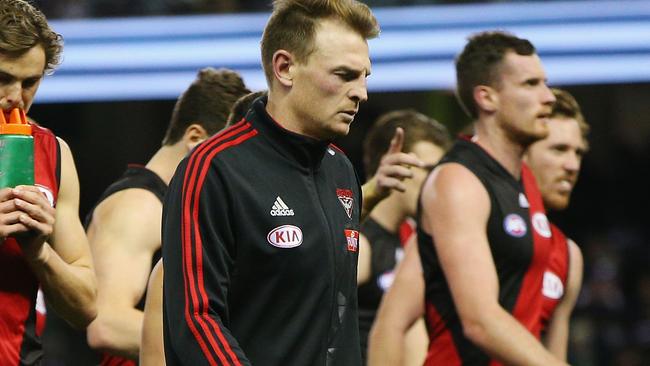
[
  {"x": 417, "y": 127},
  {"x": 479, "y": 62},
  {"x": 242, "y": 105},
  {"x": 206, "y": 102},
  {"x": 23, "y": 27},
  {"x": 292, "y": 26},
  {"x": 566, "y": 106}
]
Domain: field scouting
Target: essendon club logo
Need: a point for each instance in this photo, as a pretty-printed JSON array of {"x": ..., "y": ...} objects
[
  {"x": 347, "y": 200},
  {"x": 515, "y": 225},
  {"x": 352, "y": 236}
]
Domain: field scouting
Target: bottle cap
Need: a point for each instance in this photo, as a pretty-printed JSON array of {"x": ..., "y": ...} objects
[{"x": 14, "y": 123}]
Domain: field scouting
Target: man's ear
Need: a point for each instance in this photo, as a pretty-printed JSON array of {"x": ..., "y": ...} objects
[
  {"x": 282, "y": 67},
  {"x": 194, "y": 135},
  {"x": 486, "y": 98}
]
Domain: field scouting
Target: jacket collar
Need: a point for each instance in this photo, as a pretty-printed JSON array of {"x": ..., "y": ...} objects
[{"x": 305, "y": 151}]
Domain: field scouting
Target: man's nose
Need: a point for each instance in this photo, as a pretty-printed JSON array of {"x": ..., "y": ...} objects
[
  {"x": 572, "y": 162},
  {"x": 548, "y": 97},
  {"x": 359, "y": 91},
  {"x": 13, "y": 96}
]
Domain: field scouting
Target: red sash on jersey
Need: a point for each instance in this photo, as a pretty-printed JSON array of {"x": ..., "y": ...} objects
[
  {"x": 528, "y": 308},
  {"x": 556, "y": 278}
]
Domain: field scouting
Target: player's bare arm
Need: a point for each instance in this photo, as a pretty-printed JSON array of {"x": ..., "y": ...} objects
[
  {"x": 402, "y": 306},
  {"x": 152, "y": 352},
  {"x": 62, "y": 264},
  {"x": 124, "y": 234}
]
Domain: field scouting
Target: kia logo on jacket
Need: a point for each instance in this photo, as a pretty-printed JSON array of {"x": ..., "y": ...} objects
[{"x": 285, "y": 236}]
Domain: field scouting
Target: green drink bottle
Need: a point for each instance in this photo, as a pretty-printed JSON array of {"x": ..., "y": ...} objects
[{"x": 16, "y": 149}]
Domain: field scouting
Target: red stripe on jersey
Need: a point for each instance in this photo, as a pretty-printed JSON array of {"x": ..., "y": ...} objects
[
  {"x": 111, "y": 360},
  {"x": 196, "y": 160},
  {"x": 198, "y": 245},
  {"x": 199, "y": 163},
  {"x": 186, "y": 238},
  {"x": 528, "y": 306},
  {"x": 442, "y": 349},
  {"x": 337, "y": 148},
  {"x": 558, "y": 264},
  {"x": 188, "y": 276},
  {"x": 186, "y": 235},
  {"x": 406, "y": 231}
]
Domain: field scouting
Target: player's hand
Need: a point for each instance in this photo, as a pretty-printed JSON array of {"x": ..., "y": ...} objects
[
  {"x": 9, "y": 215},
  {"x": 394, "y": 167},
  {"x": 36, "y": 215}
]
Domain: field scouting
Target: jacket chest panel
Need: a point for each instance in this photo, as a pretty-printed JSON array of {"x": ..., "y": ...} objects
[{"x": 291, "y": 220}]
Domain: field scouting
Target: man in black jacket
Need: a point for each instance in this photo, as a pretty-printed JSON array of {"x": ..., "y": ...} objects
[{"x": 260, "y": 225}]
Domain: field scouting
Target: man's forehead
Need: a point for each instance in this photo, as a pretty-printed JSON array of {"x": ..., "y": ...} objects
[
  {"x": 565, "y": 130},
  {"x": 515, "y": 64},
  {"x": 27, "y": 65},
  {"x": 336, "y": 39}
]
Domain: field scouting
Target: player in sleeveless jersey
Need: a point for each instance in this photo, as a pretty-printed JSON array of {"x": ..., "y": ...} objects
[
  {"x": 477, "y": 246},
  {"x": 42, "y": 242},
  {"x": 555, "y": 162}
]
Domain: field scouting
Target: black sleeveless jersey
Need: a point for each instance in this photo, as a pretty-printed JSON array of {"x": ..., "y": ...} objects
[
  {"x": 386, "y": 252},
  {"x": 68, "y": 346},
  {"x": 519, "y": 256},
  {"x": 135, "y": 176}
]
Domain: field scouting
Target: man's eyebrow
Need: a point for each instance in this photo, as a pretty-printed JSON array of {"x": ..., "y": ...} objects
[
  {"x": 6, "y": 74},
  {"x": 352, "y": 70}
]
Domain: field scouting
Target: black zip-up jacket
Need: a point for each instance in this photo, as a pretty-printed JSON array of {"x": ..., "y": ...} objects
[{"x": 260, "y": 233}]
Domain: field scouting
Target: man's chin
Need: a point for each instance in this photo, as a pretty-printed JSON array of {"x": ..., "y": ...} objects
[
  {"x": 557, "y": 203},
  {"x": 341, "y": 130},
  {"x": 527, "y": 138}
]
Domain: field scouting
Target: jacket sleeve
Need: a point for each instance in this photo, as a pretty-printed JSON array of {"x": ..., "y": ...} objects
[{"x": 198, "y": 258}]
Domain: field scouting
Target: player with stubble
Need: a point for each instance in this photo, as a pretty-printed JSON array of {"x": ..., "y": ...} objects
[
  {"x": 483, "y": 257},
  {"x": 554, "y": 164}
]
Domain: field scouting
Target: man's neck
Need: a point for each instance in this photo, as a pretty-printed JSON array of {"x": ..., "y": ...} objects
[
  {"x": 501, "y": 147},
  {"x": 279, "y": 108},
  {"x": 166, "y": 159}
]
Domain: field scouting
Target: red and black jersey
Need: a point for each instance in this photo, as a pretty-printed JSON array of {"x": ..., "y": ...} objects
[
  {"x": 19, "y": 344},
  {"x": 519, "y": 238},
  {"x": 556, "y": 278},
  {"x": 260, "y": 243},
  {"x": 68, "y": 346}
]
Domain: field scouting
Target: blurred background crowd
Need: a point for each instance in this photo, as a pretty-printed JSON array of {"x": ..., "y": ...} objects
[
  {"x": 608, "y": 215},
  {"x": 127, "y": 8}
]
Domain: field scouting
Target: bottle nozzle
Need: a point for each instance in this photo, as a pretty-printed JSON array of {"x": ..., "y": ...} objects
[{"x": 14, "y": 123}]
